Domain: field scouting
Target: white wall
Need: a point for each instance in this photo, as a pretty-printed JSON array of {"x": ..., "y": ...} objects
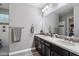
[
  {"x": 76, "y": 20},
  {"x": 24, "y": 15}
]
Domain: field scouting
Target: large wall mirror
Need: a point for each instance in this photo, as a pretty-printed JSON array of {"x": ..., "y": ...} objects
[{"x": 66, "y": 21}]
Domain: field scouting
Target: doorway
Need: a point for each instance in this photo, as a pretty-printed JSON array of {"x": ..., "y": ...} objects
[
  {"x": 70, "y": 25},
  {"x": 4, "y": 29}
]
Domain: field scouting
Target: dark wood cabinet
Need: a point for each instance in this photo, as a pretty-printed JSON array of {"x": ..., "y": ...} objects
[
  {"x": 57, "y": 51},
  {"x": 38, "y": 44},
  {"x": 42, "y": 49},
  {"x": 48, "y": 49},
  {"x": 72, "y": 54}
]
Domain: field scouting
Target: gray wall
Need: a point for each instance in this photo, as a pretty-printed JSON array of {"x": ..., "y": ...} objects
[
  {"x": 76, "y": 20},
  {"x": 23, "y": 15}
]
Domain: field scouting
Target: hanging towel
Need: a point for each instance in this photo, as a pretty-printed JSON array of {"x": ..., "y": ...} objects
[{"x": 16, "y": 34}]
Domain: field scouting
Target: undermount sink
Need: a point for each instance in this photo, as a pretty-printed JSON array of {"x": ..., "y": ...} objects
[{"x": 65, "y": 42}]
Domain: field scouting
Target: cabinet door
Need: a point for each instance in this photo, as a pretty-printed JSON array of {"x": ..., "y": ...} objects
[
  {"x": 59, "y": 51},
  {"x": 42, "y": 49},
  {"x": 38, "y": 44},
  {"x": 47, "y": 48},
  {"x": 72, "y": 54},
  {"x": 47, "y": 51},
  {"x": 56, "y": 54}
]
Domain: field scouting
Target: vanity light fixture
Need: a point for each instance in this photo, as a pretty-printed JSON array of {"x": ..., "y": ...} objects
[{"x": 44, "y": 9}]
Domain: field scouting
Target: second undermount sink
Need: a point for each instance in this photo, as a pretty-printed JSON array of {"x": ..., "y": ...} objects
[{"x": 65, "y": 42}]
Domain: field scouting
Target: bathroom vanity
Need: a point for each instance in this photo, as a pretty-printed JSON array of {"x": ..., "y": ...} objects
[{"x": 52, "y": 46}]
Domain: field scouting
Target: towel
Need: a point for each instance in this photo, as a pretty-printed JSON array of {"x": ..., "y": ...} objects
[{"x": 16, "y": 34}]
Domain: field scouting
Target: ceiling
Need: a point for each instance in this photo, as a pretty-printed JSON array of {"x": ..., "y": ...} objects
[
  {"x": 66, "y": 9},
  {"x": 62, "y": 9},
  {"x": 4, "y": 6},
  {"x": 38, "y": 5}
]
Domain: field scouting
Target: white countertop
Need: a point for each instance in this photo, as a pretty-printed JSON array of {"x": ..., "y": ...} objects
[{"x": 65, "y": 44}]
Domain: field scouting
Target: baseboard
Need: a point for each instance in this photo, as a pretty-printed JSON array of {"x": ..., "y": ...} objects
[{"x": 20, "y": 51}]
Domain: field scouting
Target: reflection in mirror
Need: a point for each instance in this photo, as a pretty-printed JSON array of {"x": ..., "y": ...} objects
[
  {"x": 71, "y": 26},
  {"x": 4, "y": 29},
  {"x": 65, "y": 23}
]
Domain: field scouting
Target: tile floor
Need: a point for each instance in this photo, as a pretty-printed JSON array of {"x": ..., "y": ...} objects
[
  {"x": 4, "y": 51},
  {"x": 29, "y": 53}
]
